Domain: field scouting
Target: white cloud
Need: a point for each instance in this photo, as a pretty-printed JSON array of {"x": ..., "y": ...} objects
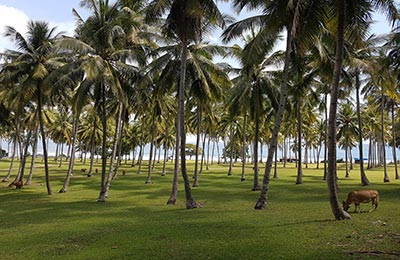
[
  {"x": 16, "y": 18},
  {"x": 11, "y": 16}
]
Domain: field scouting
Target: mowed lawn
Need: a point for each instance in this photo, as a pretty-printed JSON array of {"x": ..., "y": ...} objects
[{"x": 136, "y": 223}]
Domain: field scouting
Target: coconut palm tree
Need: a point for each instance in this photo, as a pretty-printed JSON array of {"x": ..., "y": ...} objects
[
  {"x": 347, "y": 130},
  {"x": 348, "y": 15},
  {"x": 32, "y": 64},
  {"x": 254, "y": 92},
  {"x": 277, "y": 16},
  {"x": 185, "y": 21},
  {"x": 103, "y": 46}
]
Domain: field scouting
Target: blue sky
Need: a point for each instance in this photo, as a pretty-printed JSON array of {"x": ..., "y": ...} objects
[{"x": 59, "y": 13}]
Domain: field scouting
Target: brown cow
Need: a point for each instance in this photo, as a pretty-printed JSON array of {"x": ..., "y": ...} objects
[
  {"x": 361, "y": 196},
  {"x": 17, "y": 184}
]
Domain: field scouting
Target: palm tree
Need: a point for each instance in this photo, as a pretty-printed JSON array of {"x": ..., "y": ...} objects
[
  {"x": 254, "y": 91},
  {"x": 348, "y": 14},
  {"x": 277, "y": 16},
  {"x": 103, "y": 47},
  {"x": 185, "y": 20},
  {"x": 347, "y": 130},
  {"x": 304, "y": 98},
  {"x": 32, "y": 64}
]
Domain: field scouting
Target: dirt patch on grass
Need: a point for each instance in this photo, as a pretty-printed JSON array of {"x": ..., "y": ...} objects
[{"x": 374, "y": 241}]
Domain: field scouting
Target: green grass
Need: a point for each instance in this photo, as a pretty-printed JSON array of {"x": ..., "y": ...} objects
[{"x": 136, "y": 223}]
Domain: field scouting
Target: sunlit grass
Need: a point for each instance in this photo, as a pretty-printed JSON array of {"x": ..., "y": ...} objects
[{"x": 136, "y": 223}]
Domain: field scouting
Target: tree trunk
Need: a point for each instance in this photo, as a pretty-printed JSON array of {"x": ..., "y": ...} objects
[
  {"x": 394, "y": 143},
  {"x": 256, "y": 184},
  {"x": 153, "y": 162},
  {"x": 231, "y": 152},
  {"x": 386, "y": 176},
  {"x": 262, "y": 200},
  {"x": 71, "y": 155},
  {"x": 174, "y": 192},
  {"x": 190, "y": 202},
  {"x": 243, "y": 178},
  {"x": 21, "y": 171},
  {"x": 218, "y": 152},
  {"x": 338, "y": 212},
  {"x": 212, "y": 152},
  {"x": 102, "y": 197},
  {"x": 43, "y": 134},
  {"x": 114, "y": 149},
  {"x": 363, "y": 176},
  {"x": 299, "y": 179},
  {"x": 61, "y": 155},
  {"x": 326, "y": 138},
  {"x": 208, "y": 152},
  {"x": 346, "y": 161},
  {"x": 203, "y": 152},
  {"x": 276, "y": 167},
  {"x": 7, "y": 177},
  {"x": 119, "y": 151},
  {"x": 92, "y": 149},
  {"x": 34, "y": 151},
  {"x": 196, "y": 158},
  {"x": 163, "y": 173},
  {"x": 153, "y": 134}
]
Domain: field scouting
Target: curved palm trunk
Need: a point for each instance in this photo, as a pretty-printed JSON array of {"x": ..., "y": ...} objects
[
  {"x": 208, "y": 152},
  {"x": 7, "y": 177},
  {"x": 153, "y": 162},
  {"x": 299, "y": 179},
  {"x": 163, "y": 173},
  {"x": 364, "y": 179},
  {"x": 71, "y": 156},
  {"x": 151, "y": 153},
  {"x": 114, "y": 150},
  {"x": 326, "y": 138},
  {"x": 394, "y": 144},
  {"x": 338, "y": 212},
  {"x": 21, "y": 171},
  {"x": 44, "y": 143},
  {"x": 218, "y": 153},
  {"x": 386, "y": 176},
  {"x": 102, "y": 197},
  {"x": 119, "y": 152},
  {"x": 203, "y": 154},
  {"x": 174, "y": 192},
  {"x": 196, "y": 158},
  {"x": 243, "y": 178},
  {"x": 256, "y": 185},
  {"x": 92, "y": 150},
  {"x": 212, "y": 152},
  {"x": 231, "y": 152},
  {"x": 262, "y": 200},
  {"x": 61, "y": 155},
  {"x": 190, "y": 202},
  {"x": 141, "y": 148},
  {"x": 34, "y": 152}
]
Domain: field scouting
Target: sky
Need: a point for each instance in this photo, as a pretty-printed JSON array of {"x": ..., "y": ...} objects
[{"x": 58, "y": 13}]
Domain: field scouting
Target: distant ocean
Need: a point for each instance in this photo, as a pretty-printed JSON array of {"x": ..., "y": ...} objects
[{"x": 340, "y": 153}]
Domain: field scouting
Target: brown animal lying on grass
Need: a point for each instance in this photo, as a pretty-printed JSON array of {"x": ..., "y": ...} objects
[
  {"x": 361, "y": 196},
  {"x": 17, "y": 184}
]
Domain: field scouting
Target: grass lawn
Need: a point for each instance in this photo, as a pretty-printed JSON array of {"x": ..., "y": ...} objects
[{"x": 136, "y": 223}]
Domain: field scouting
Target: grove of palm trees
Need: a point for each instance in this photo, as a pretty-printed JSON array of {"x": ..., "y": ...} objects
[{"x": 120, "y": 98}]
